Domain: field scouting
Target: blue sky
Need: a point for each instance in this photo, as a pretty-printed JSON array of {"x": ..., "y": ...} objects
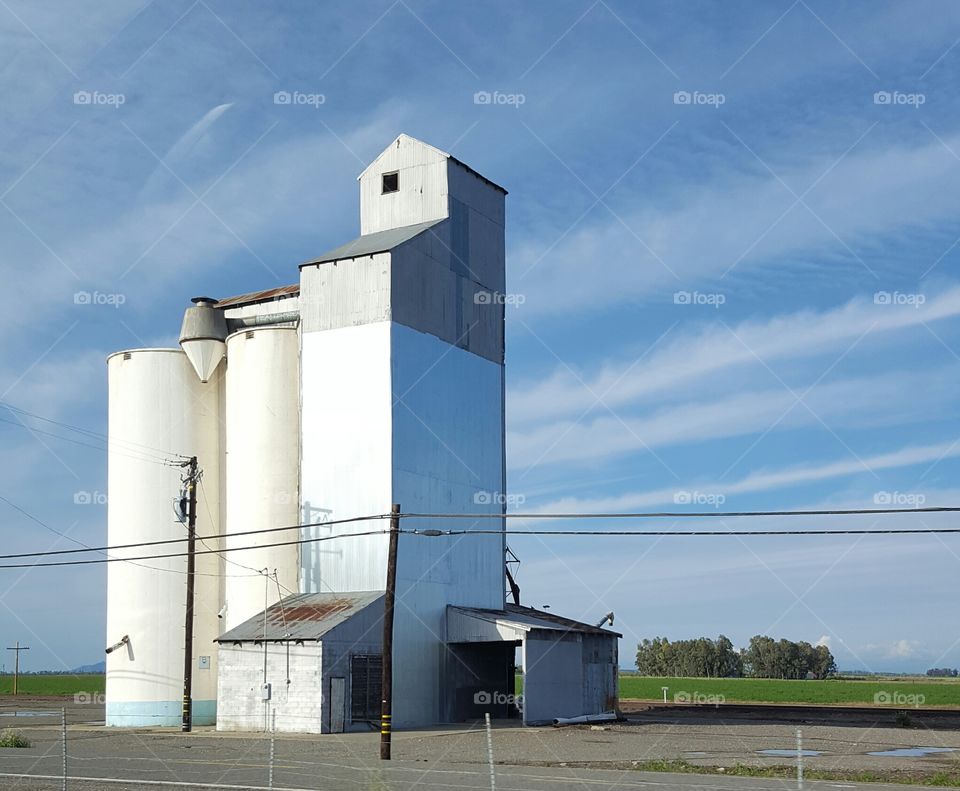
[{"x": 733, "y": 229}]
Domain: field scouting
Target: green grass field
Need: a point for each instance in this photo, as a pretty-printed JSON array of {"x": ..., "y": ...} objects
[
  {"x": 892, "y": 692},
  {"x": 54, "y": 685}
]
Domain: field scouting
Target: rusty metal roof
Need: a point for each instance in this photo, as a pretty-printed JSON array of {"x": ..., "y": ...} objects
[
  {"x": 259, "y": 296},
  {"x": 307, "y": 616}
]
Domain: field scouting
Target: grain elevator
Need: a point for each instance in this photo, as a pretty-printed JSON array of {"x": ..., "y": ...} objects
[{"x": 377, "y": 378}]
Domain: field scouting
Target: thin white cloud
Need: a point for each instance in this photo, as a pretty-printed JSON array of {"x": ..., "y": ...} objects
[
  {"x": 691, "y": 357},
  {"x": 759, "y": 481},
  {"x": 183, "y": 148},
  {"x": 850, "y": 403},
  {"x": 744, "y": 221}
]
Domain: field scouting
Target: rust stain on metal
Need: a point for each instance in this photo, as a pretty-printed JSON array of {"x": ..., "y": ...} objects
[
  {"x": 309, "y": 611},
  {"x": 259, "y": 296}
]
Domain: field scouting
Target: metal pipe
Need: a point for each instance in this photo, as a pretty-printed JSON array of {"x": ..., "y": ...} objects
[
  {"x": 289, "y": 317},
  {"x": 605, "y": 717}
]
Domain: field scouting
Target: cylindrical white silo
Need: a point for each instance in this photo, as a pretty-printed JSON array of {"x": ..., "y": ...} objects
[
  {"x": 158, "y": 405},
  {"x": 262, "y": 465}
]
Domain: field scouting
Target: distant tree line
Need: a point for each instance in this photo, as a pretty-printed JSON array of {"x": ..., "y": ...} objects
[
  {"x": 706, "y": 658},
  {"x": 942, "y": 672}
]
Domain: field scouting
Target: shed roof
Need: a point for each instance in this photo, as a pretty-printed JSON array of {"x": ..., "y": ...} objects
[
  {"x": 379, "y": 242},
  {"x": 513, "y": 618},
  {"x": 307, "y": 616},
  {"x": 259, "y": 296}
]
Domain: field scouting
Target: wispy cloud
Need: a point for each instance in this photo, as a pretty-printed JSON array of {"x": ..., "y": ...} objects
[
  {"x": 746, "y": 221},
  {"x": 681, "y": 362},
  {"x": 861, "y": 402},
  {"x": 759, "y": 481}
]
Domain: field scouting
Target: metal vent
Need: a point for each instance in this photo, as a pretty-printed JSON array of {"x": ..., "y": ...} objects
[
  {"x": 249, "y": 334},
  {"x": 127, "y": 356},
  {"x": 366, "y": 677}
]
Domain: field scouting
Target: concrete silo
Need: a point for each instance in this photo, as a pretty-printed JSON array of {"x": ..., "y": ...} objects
[
  {"x": 157, "y": 401},
  {"x": 263, "y": 468}
]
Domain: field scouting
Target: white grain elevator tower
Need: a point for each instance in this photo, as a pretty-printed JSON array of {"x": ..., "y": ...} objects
[
  {"x": 378, "y": 379},
  {"x": 402, "y": 371}
]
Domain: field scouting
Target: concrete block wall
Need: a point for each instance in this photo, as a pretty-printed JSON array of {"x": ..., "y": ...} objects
[{"x": 298, "y": 705}]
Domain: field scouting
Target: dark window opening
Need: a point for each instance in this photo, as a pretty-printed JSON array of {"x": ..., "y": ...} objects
[
  {"x": 391, "y": 182},
  {"x": 365, "y": 687}
]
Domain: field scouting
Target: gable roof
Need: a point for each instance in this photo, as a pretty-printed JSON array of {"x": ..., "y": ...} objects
[{"x": 437, "y": 152}]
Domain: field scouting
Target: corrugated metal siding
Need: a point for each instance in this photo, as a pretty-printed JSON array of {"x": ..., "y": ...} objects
[
  {"x": 447, "y": 436},
  {"x": 345, "y": 294},
  {"x": 430, "y": 297},
  {"x": 423, "y": 187}
]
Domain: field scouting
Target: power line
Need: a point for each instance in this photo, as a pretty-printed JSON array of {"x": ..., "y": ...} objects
[
  {"x": 35, "y": 430},
  {"x": 46, "y": 526},
  {"x": 160, "y": 542},
  {"x": 692, "y": 514},
  {"x": 643, "y": 533},
  {"x": 184, "y": 554},
  {"x": 257, "y": 572},
  {"x": 89, "y": 432},
  {"x": 86, "y": 547},
  {"x": 640, "y": 515}
]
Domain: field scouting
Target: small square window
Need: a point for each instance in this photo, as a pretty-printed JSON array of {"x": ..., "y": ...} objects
[{"x": 391, "y": 182}]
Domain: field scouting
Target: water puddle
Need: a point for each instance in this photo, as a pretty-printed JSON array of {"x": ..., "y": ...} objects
[
  {"x": 790, "y": 753},
  {"x": 913, "y": 752},
  {"x": 694, "y": 754}
]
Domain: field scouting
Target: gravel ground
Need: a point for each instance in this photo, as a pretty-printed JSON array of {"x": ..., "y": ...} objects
[{"x": 457, "y": 756}]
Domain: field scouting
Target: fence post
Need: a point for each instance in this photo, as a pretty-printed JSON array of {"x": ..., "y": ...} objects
[
  {"x": 63, "y": 746},
  {"x": 493, "y": 779},
  {"x": 273, "y": 731},
  {"x": 799, "y": 759}
]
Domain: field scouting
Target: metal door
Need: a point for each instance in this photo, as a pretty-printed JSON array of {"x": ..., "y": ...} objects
[{"x": 338, "y": 703}]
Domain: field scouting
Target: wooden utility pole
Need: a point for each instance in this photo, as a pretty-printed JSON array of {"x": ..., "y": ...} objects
[
  {"x": 191, "y": 482},
  {"x": 16, "y": 664},
  {"x": 386, "y": 687}
]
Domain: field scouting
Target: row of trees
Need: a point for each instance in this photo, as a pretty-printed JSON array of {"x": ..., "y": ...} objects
[
  {"x": 942, "y": 672},
  {"x": 706, "y": 658}
]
